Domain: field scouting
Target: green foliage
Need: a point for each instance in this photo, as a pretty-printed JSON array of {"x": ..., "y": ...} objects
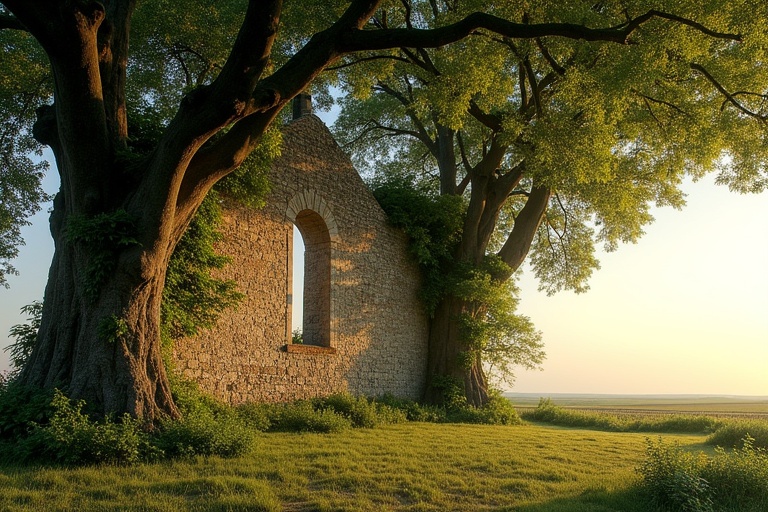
[
  {"x": 303, "y": 416},
  {"x": 732, "y": 433},
  {"x": 208, "y": 427},
  {"x": 414, "y": 411},
  {"x": 297, "y": 337},
  {"x": 611, "y": 129},
  {"x": 433, "y": 225},
  {"x": 678, "y": 480},
  {"x": 24, "y": 83},
  {"x": 205, "y": 434},
  {"x": 70, "y": 437},
  {"x": 490, "y": 326},
  {"x": 456, "y": 409},
  {"x": 671, "y": 477},
  {"x": 548, "y": 412},
  {"x": 20, "y": 407},
  {"x": 104, "y": 235},
  {"x": 739, "y": 477},
  {"x": 112, "y": 329},
  {"x": 361, "y": 411},
  {"x": 193, "y": 298},
  {"x": 497, "y": 411},
  {"x": 249, "y": 184},
  {"x": 25, "y": 335}
]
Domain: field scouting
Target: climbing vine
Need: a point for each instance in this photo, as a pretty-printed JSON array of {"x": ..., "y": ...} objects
[
  {"x": 490, "y": 326},
  {"x": 103, "y": 235}
]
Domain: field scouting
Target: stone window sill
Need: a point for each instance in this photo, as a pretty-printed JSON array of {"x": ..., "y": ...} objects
[{"x": 296, "y": 348}]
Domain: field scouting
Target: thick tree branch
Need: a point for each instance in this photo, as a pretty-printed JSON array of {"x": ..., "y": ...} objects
[
  {"x": 526, "y": 224},
  {"x": 489, "y": 120},
  {"x": 358, "y": 40},
  {"x": 560, "y": 70},
  {"x": 463, "y": 153},
  {"x": 368, "y": 59}
]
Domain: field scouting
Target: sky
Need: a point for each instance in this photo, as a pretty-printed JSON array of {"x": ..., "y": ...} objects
[{"x": 683, "y": 311}]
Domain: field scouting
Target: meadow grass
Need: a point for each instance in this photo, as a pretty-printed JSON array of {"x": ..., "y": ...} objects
[{"x": 403, "y": 467}]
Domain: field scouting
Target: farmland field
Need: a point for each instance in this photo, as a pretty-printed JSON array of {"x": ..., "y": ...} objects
[{"x": 719, "y": 406}]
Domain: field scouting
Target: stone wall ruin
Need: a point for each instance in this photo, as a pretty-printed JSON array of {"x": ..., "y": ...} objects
[{"x": 365, "y": 329}]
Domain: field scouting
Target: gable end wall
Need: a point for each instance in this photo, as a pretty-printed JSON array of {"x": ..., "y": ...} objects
[{"x": 378, "y": 329}]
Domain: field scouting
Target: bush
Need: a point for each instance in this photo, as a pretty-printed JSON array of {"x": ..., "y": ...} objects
[
  {"x": 671, "y": 477},
  {"x": 205, "y": 434},
  {"x": 301, "y": 416},
  {"x": 71, "y": 437},
  {"x": 739, "y": 477},
  {"x": 732, "y": 434},
  {"x": 257, "y": 416},
  {"x": 680, "y": 481},
  {"x": 20, "y": 406},
  {"x": 498, "y": 411},
  {"x": 362, "y": 412},
  {"x": 415, "y": 411}
]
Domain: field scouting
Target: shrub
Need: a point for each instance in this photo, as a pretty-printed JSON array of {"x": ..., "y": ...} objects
[
  {"x": 362, "y": 412},
  {"x": 730, "y": 480},
  {"x": 739, "y": 477},
  {"x": 208, "y": 427},
  {"x": 498, "y": 411},
  {"x": 71, "y": 437},
  {"x": 732, "y": 434},
  {"x": 414, "y": 411},
  {"x": 301, "y": 416},
  {"x": 205, "y": 434},
  {"x": 257, "y": 416},
  {"x": 19, "y": 406},
  {"x": 671, "y": 477}
]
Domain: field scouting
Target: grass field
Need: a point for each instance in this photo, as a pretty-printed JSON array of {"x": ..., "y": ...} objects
[{"x": 406, "y": 467}]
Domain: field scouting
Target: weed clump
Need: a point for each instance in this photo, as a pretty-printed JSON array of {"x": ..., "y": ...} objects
[{"x": 678, "y": 480}]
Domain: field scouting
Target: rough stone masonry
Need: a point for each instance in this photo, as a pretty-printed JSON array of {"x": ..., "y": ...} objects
[{"x": 365, "y": 330}]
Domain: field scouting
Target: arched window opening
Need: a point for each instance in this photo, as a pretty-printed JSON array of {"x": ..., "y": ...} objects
[
  {"x": 316, "y": 300},
  {"x": 297, "y": 293}
]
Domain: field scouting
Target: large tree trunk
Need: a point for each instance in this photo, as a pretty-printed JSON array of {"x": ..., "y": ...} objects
[
  {"x": 452, "y": 362},
  {"x": 451, "y": 358},
  {"x": 104, "y": 349}
]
